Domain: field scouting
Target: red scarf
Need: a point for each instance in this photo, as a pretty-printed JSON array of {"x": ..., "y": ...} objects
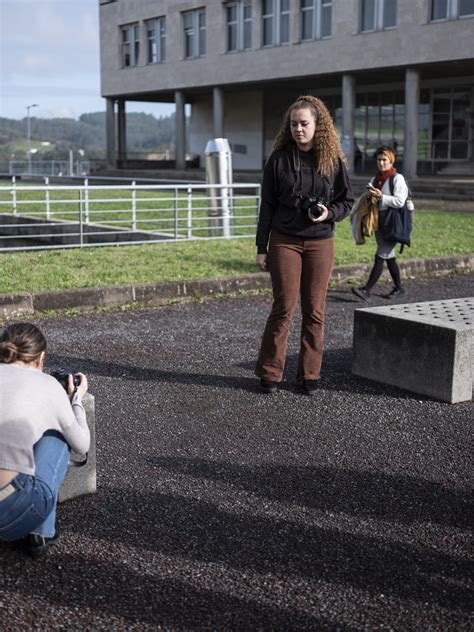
[{"x": 382, "y": 177}]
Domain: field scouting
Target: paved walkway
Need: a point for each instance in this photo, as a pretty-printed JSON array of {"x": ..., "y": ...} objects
[{"x": 220, "y": 508}]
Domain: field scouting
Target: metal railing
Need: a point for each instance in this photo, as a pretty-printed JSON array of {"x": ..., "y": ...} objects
[
  {"x": 46, "y": 167},
  {"x": 53, "y": 216}
]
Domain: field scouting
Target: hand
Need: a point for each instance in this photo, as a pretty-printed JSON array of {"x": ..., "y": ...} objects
[
  {"x": 323, "y": 215},
  {"x": 81, "y": 390},
  {"x": 375, "y": 193},
  {"x": 261, "y": 262}
]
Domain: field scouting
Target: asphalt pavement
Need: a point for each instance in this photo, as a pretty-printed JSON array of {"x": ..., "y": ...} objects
[{"x": 221, "y": 508}]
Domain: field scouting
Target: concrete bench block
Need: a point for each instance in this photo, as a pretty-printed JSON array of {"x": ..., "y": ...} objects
[
  {"x": 425, "y": 347},
  {"x": 82, "y": 480}
]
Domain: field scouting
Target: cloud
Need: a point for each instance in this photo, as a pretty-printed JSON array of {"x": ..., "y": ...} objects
[
  {"x": 32, "y": 64},
  {"x": 49, "y": 54},
  {"x": 51, "y": 25},
  {"x": 52, "y": 37}
]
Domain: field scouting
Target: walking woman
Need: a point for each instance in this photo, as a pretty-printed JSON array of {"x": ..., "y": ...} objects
[
  {"x": 379, "y": 190},
  {"x": 306, "y": 189},
  {"x": 38, "y": 426}
]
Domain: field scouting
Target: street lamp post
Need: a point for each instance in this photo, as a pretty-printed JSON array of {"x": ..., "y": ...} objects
[{"x": 28, "y": 108}]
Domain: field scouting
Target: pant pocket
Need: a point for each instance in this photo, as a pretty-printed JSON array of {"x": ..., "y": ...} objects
[{"x": 20, "y": 516}]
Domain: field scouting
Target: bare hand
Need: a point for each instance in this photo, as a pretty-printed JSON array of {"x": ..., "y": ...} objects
[
  {"x": 81, "y": 390},
  {"x": 261, "y": 262},
  {"x": 323, "y": 215},
  {"x": 374, "y": 193}
]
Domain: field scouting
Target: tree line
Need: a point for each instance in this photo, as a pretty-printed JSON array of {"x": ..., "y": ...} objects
[{"x": 145, "y": 133}]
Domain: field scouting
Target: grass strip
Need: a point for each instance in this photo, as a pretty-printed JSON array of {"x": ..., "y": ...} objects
[{"x": 434, "y": 234}]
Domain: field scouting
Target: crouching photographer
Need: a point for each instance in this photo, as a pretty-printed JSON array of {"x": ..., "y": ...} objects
[{"x": 40, "y": 422}]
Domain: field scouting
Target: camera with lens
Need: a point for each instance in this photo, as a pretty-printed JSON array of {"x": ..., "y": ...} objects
[
  {"x": 310, "y": 204},
  {"x": 62, "y": 376}
]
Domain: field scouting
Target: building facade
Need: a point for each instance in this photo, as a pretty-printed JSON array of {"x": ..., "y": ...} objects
[{"x": 399, "y": 72}]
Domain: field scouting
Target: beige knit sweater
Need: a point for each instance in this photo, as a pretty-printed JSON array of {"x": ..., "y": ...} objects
[{"x": 32, "y": 402}]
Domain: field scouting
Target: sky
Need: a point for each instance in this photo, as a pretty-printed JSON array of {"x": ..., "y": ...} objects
[{"x": 49, "y": 56}]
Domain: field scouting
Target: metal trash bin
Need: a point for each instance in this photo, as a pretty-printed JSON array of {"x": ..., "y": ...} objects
[{"x": 219, "y": 172}]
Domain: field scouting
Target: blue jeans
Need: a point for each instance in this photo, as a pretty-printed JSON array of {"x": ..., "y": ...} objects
[{"x": 32, "y": 507}]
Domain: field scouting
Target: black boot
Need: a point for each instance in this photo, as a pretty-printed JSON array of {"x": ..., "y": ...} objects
[
  {"x": 362, "y": 293},
  {"x": 38, "y": 546}
]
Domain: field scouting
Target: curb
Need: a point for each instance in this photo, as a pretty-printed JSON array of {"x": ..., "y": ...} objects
[{"x": 27, "y": 304}]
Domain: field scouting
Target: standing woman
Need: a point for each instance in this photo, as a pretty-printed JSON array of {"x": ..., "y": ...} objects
[
  {"x": 379, "y": 189},
  {"x": 305, "y": 189},
  {"x": 38, "y": 426}
]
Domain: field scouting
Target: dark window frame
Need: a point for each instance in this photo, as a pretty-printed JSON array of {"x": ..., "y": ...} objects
[
  {"x": 130, "y": 44},
  {"x": 195, "y": 33},
  {"x": 315, "y": 9}
]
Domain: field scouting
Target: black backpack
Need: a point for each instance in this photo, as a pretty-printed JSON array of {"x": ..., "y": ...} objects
[{"x": 398, "y": 222}]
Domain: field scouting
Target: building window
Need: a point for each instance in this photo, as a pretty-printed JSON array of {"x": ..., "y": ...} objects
[
  {"x": 377, "y": 15},
  {"x": 379, "y": 120},
  {"x": 130, "y": 45},
  {"x": 239, "y": 25},
  {"x": 194, "y": 23},
  {"x": 156, "y": 39},
  {"x": 276, "y": 22},
  {"x": 316, "y": 17},
  {"x": 466, "y": 8},
  {"x": 451, "y": 9},
  {"x": 451, "y": 129}
]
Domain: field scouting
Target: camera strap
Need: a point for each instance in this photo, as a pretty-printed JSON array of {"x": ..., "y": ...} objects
[
  {"x": 296, "y": 169},
  {"x": 298, "y": 185}
]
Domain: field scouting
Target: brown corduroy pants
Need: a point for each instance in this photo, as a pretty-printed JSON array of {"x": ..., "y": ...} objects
[{"x": 296, "y": 266}]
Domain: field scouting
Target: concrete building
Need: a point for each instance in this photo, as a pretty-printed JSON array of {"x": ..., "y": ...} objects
[{"x": 390, "y": 71}]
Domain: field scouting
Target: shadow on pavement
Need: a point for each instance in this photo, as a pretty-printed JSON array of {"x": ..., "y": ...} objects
[
  {"x": 110, "y": 587},
  {"x": 358, "y": 493},
  {"x": 335, "y": 376},
  {"x": 204, "y": 533}
]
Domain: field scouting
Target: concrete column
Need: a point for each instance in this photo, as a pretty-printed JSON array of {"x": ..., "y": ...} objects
[
  {"x": 256, "y": 25},
  {"x": 218, "y": 112},
  {"x": 110, "y": 133},
  {"x": 121, "y": 131},
  {"x": 295, "y": 22},
  {"x": 412, "y": 104},
  {"x": 348, "y": 118},
  {"x": 180, "y": 130}
]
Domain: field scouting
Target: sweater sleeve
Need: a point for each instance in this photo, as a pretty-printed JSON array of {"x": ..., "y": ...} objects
[
  {"x": 268, "y": 205},
  {"x": 73, "y": 423},
  {"x": 342, "y": 198},
  {"x": 400, "y": 193}
]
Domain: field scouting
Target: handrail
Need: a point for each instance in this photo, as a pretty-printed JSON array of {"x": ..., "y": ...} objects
[{"x": 59, "y": 216}]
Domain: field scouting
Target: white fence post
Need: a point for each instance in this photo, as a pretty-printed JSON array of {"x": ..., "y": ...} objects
[
  {"x": 134, "y": 206},
  {"x": 48, "y": 201},
  {"x": 14, "y": 194},
  {"x": 176, "y": 213},
  {"x": 190, "y": 212},
  {"x": 86, "y": 195}
]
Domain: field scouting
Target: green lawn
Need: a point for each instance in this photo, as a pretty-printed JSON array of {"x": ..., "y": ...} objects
[{"x": 434, "y": 234}]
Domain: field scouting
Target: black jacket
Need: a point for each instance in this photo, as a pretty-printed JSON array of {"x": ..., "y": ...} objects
[{"x": 282, "y": 183}]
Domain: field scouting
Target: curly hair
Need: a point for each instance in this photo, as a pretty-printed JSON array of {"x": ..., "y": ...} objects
[{"x": 326, "y": 145}]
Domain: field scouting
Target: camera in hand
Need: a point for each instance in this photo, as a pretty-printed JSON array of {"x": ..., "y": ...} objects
[
  {"x": 62, "y": 376},
  {"x": 310, "y": 204}
]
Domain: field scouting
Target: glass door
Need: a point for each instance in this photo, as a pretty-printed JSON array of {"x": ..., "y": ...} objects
[{"x": 451, "y": 128}]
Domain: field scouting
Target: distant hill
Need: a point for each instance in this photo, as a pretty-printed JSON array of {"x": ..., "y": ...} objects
[{"x": 145, "y": 133}]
